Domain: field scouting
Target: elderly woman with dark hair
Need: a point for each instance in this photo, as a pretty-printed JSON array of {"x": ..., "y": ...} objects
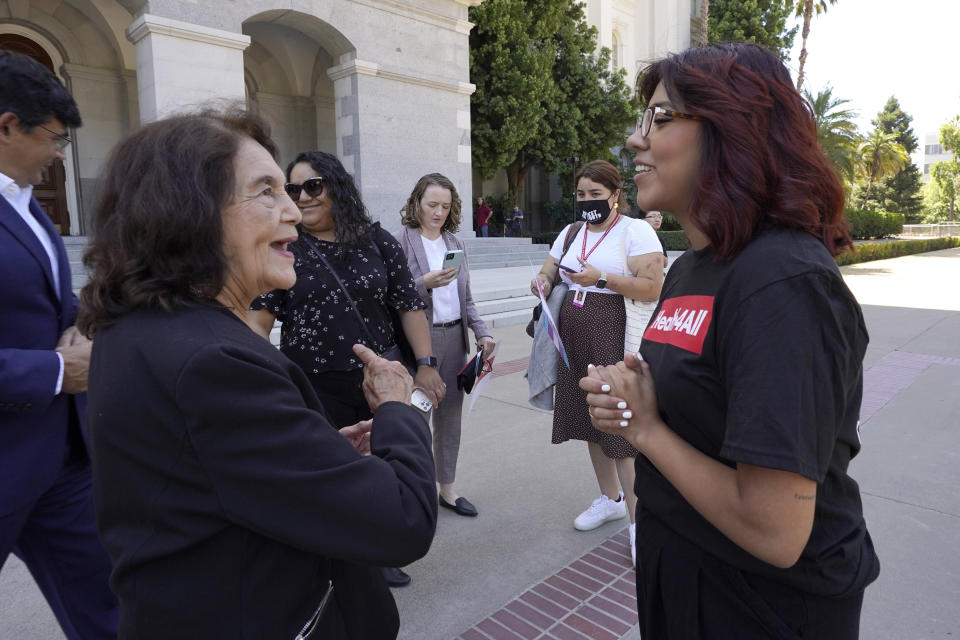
[
  {"x": 430, "y": 218},
  {"x": 351, "y": 277},
  {"x": 745, "y": 407},
  {"x": 229, "y": 503}
]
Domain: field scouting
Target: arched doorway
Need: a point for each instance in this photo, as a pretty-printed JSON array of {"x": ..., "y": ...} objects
[{"x": 51, "y": 191}]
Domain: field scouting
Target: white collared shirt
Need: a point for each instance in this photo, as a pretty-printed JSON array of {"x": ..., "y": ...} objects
[
  {"x": 446, "y": 299},
  {"x": 19, "y": 199}
]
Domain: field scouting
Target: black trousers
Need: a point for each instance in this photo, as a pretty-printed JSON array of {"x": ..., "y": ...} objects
[
  {"x": 341, "y": 394},
  {"x": 685, "y": 593}
]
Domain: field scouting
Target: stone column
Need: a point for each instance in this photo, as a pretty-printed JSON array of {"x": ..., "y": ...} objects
[
  {"x": 395, "y": 125},
  {"x": 182, "y": 65}
]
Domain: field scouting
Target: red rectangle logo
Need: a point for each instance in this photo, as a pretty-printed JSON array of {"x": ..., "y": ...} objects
[{"x": 682, "y": 322}]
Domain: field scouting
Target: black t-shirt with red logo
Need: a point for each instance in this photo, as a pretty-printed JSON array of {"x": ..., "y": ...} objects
[{"x": 759, "y": 360}]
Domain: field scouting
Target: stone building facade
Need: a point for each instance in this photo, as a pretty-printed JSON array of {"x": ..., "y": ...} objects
[{"x": 383, "y": 84}]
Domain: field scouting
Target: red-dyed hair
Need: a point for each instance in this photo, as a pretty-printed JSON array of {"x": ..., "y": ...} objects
[{"x": 761, "y": 163}]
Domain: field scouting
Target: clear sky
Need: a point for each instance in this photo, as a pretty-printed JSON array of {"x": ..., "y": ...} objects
[{"x": 869, "y": 50}]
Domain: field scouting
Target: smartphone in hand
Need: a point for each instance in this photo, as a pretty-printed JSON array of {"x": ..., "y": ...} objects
[
  {"x": 452, "y": 259},
  {"x": 566, "y": 268}
]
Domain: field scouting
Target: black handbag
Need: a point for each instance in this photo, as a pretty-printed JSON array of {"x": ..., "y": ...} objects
[
  {"x": 394, "y": 352},
  {"x": 567, "y": 241}
]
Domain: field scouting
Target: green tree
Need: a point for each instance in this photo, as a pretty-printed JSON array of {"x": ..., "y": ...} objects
[
  {"x": 837, "y": 132},
  {"x": 947, "y": 173},
  {"x": 805, "y": 9},
  {"x": 902, "y": 189},
  {"x": 543, "y": 94},
  {"x": 880, "y": 156},
  {"x": 760, "y": 21},
  {"x": 936, "y": 200}
]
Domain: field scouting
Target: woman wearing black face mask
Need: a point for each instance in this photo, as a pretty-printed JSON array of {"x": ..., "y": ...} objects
[{"x": 592, "y": 321}]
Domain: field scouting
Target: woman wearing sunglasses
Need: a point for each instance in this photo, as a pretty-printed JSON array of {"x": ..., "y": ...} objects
[
  {"x": 340, "y": 246},
  {"x": 430, "y": 218},
  {"x": 746, "y": 405}
]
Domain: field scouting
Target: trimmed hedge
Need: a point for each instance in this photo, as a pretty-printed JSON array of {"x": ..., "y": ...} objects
[
  {"x": 873, "y": 224},
  {"x": 674, "y": 240},
  {"x": 868, "y": 252}
]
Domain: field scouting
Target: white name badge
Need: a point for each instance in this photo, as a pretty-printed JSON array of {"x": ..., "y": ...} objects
[{"x": 579, "y": 298}]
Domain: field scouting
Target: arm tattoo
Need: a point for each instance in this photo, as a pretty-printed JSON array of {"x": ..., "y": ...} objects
[{"x": 800, "y": 497}]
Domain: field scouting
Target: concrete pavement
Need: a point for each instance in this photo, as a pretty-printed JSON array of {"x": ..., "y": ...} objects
[{"x": 483, "y": 576}]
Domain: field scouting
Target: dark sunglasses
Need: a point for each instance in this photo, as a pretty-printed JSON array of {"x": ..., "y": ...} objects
[{"x": 313, "y": 187}]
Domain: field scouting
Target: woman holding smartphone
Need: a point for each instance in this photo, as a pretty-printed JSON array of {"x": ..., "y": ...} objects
[
  {"x": 592, "y": 322},
  {"x": 430, "y": 218}
]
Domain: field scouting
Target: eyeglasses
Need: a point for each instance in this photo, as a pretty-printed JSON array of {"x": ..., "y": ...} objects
[
  {"x": 62, "y": 139},
  {"x": 313, "y": 187},
  {"x": 653, "y": 216},
  {"x": 645, "y": 121}
]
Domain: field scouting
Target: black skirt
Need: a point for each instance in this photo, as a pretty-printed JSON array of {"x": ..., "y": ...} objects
[{"x": 592, "y": 334}]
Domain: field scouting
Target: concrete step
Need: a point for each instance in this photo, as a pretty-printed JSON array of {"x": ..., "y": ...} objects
[
  {"x": 508, "y": 262},
  {"x": 509, "y": 290},
  {"x": 501, "y": 305},
  {"x": 507, "y": 318},
  {"x": 503, "y": 248}
]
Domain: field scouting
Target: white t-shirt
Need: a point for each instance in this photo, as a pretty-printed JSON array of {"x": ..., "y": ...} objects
[
  {"x": 446, "y": 299},
  {"x": 640, "y": 239}
]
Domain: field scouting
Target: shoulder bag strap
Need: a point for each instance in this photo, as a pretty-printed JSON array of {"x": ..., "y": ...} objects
[
  {"x": 353, "y": 305},
  {"x": 572, "y": 232}
]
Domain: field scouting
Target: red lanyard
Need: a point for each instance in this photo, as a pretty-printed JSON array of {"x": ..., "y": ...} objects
[{"x": 584, "y": 254}]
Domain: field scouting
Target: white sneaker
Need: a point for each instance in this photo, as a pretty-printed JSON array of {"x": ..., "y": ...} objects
[
  {"x": 633, "y": 543},
  {"x": 602, "y": 510}
]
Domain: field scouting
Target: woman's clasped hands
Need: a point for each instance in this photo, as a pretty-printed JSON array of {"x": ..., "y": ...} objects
[{"x": 622, "y": 399}]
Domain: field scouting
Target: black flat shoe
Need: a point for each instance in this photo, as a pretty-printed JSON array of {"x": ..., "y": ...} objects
[
  {"x": 462, "y": 506},
  {"x": 395, "y": 577}
]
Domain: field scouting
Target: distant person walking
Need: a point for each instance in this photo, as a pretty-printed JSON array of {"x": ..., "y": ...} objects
[
  {"x": 655, "y": 219},
  {"x": 516, "y": 221},
  {"x": 483, "y": 217}
]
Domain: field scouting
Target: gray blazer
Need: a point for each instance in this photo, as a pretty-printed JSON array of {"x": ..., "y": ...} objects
[{"x": 417, "y": 260}]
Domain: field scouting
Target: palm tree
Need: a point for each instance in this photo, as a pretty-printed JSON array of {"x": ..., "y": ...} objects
[
  {"x": 836, "y": 131},
  {"x": 880, "y": 156},
  {"x": 805, "y": 8},
  {"x": 704, "y": 21}
]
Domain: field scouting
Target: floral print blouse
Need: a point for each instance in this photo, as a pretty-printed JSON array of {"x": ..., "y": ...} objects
[{"x": 319, "y": 326}]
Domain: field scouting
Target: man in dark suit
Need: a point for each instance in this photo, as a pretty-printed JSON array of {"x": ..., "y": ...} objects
[{"x": 46, "y": 505}]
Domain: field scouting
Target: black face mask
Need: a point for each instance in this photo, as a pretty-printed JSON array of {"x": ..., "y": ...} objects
[{"x": 594, "y": 211}]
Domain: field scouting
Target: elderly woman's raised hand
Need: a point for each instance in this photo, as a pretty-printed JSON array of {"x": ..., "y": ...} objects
[
  {"x": 359, "y": 436},
  {"x": 383, "y": 380},
  {"x": 622, "y": 398}
]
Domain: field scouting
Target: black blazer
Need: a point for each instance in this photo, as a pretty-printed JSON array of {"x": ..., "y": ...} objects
[{"x": 225, "y": 497}]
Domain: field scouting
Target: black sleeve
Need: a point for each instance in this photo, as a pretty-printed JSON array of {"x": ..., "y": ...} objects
[
  {"x": 402, "y": 290},
  {"x": 279, "y": 468},
  {"x": 274, "y": 302},
  {"x": 791, "y": 355}
]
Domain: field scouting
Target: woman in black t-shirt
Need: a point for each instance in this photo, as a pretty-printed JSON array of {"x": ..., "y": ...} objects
[{"x": 746, "y": 408}]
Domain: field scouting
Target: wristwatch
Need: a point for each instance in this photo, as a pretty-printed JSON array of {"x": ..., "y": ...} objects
[
  {"x": 602, "y": 281},
  {"x": 429, "y": 361}
]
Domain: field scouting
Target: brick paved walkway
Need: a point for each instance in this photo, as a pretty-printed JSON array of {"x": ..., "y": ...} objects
[{"x": 592, "y": 597}]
